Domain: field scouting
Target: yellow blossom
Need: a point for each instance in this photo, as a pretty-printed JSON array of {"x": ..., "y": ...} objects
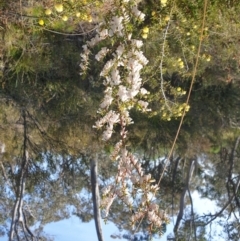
[
  {"x": 84, "y": 16},
  {"x": 89, "y": 19},
  {"x": 64, "y": 18},
  {"x": 144, "y": 35},
  {"x": 163, "y": 2},
  {"x": 59, "y": 7},
  {"x": 145, "y": 30},
  {"x": 167, "y": 18},
  {"x": 181, "y": 64},
  {"x": 187, "y": 108},
  {"x": 48, "y": 11},
  {"x": 41, "y": 22},
  {"x": 179, "y": 89}
]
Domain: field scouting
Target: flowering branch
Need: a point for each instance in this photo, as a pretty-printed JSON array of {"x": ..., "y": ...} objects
[{"x": 124, "y": 90}]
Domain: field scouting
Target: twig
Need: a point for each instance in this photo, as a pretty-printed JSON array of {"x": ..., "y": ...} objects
[
  {"x": 161, "y": 63},
  {"x": 70, "y": 34},
  {"x": 190, "y": 90}
]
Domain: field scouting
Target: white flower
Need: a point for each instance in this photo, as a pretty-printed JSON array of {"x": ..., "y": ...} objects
[
  {"x": 107, "y": 134},
  {"x": 98, "y": 124},
  {"x": 132, "y": 93},
  {"x": 140, "y": 56},
  {"x": 116, "y": 26},
  {"x": 142, "y": 16},
  {"x": 84, "y": 57},
  {"x": 113, "y": 117},
  {"x": 143, "y": 91},
  {"x": 137, "y": 43},
  {"x": 103, "y": 33},
  {"x": 123, "y": 93},
  {"x": 107, "y": 67},
  {"x": 134, "y": 65},
  {"x": 143, "y": 105},
  {"x": 120, "y": 50},
  {"x": 138, "y": 13},
  {"x": 94, "y": 41},
  {"x": 107, "y": 98},
  {"x": 83, "y": 67},
  {"x": 115, "y": 78},
  {"x": 101, "y": 54},
  {"x": 126, "y": 118}
]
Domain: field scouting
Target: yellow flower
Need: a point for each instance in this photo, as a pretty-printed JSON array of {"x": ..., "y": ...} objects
[
  {"x": 78, "y": 14},
  {"x": 181, "y": 65},
  {"x": 144, "y": 35},
  {"x": 84, "y": 16},
  {"x": 59, "y": 7},
  {"x": 163, "y": 2},
  {"x": 167, "y": 18},
  {"x": 89, "y": 19},
  {"x": 179, "y": 89},
  {"x": 41, "y": 22},
  {"x": 48, "y": 11},
  {"x": 188, "y": 33},
  {"x": 145, "y": 30},
  {"x": 187, "y": 108},
  {"x": 64, "y": 18}
]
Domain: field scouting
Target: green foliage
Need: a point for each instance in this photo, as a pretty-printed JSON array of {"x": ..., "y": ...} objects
[{"x": 39, "y": 73}]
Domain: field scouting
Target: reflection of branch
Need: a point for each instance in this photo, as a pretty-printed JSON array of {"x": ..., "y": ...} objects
[
  {"x": 173, "y": 180},
  {"x": 223, "y": 208},
  {"x": 182, "y": 199},
  {"x": 96, "y": 198},
  {"x": 4, "y": 173},
  {"x": 18, "y": 215},
  {"x": 192, "y": 215},
  {"x": 231, "y": 161}
]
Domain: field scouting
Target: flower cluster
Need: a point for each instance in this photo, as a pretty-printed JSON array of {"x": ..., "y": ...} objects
[
  {"x": 108, "y": 120},
  {"x": 131, "y": 183},
  {"x": 121, "y": 76}
]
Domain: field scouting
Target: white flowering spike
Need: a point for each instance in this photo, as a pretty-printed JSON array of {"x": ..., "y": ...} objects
[{"x": 121, "y": 76}]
